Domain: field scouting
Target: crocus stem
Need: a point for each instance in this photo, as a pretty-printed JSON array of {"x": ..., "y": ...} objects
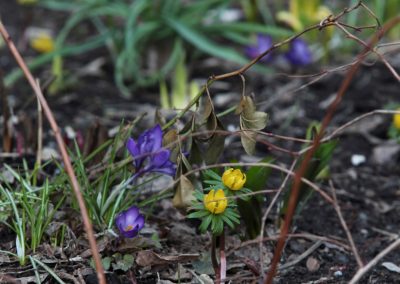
[
  {"x": 116, "y": 191},
  {"x": 214, "y": 260},
  {"x": 222, "y": 268}
]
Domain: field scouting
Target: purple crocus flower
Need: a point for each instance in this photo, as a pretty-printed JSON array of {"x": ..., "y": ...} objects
[
  {"x": 148, "y": 153},
  {"x": 130, "y": 222},
  {"x": 299, "y": 53},
  {"x": 264, "y": 42}
]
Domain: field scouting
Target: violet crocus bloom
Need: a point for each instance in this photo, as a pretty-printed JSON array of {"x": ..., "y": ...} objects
[
  {"x": 264, "y": 42},
  {"x": 148, "y": 153},
  {"x": 129, "y": 222},
  {"x": 299, "y": 53}
]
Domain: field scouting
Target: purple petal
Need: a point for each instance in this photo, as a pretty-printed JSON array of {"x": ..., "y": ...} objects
[
  {"x": 135, "y": 153},
  {"x": 168, "y": 168},
  {"x": 120, "y": 221},
  {"x": 160, "y": 158},
  {"x": 129, "y": 222},
  {"x": 136, "y": 227},
  {"x": 299, "y": 53},
  {"x": 264, "y": 42},
  {"x": 132, "y": 147},
  {"x": 139, "y": 222},
  {"x": 130, "y": 215},
  {"x": 150, "y": 140},
  {"x": 130, "y": 234}
]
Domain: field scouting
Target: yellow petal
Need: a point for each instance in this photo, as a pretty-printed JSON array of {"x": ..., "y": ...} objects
[
  {"x": 221, "y": 202},
  {"x": 290, "y": 20},
  {"x": 43, "y": 43},
  {"x": 322, "y": 13},
  {"x": 26, "y": 2},
  {"x": 215, "y": 202},
  {"x": 234, "y": 179},
  {"x": 396, "y": 120}
]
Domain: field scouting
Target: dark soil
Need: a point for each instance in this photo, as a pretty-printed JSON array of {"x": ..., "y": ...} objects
[{"x": 368, "y": 194}]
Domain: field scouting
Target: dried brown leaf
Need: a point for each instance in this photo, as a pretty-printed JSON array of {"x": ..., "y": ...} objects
[{"x": 149, "y": 258}]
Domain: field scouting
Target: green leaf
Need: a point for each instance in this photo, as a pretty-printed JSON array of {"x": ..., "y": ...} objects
[
  {"x": 124, "y": 264},
  {"x": 248, "y": 27},
  {"x": 214, "y": 182},
  {"x": 106, "y": 261},
  {"x": 203, "y": 43},
  {"x": 212, "y": 174},
  {"x": 198, "y": 214},
  {"x": 228, "y": 221},
  {"x": 205, "y": 223},
  {"x": 217, "y": 225}
]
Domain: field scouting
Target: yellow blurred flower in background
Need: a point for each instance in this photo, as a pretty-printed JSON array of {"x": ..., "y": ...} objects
[
  {"x": 42, "y": 42},
  {"x": 396, "y": 120},
  {"x": 26, "y": 2}
]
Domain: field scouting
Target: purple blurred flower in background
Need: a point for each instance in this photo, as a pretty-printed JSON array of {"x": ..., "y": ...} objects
[
  {"x": 299, "y": 53},
  {"x": 148, "y": 153},
  {"x": 264, "y": 42},
  {"x": 129, "y": 222}
]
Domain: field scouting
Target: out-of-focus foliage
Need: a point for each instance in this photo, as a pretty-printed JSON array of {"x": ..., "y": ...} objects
[{"x": 145, "y": 38}]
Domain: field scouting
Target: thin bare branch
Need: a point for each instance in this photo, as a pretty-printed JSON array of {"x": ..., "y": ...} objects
[
  {"x": 344, "y": 225},
  {"x": 362, "y": 271}
]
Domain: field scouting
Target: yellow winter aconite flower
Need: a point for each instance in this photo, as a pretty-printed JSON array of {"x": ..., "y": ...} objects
[
  {"x": 43, "y": 42},
  {"x": 26, "y": 2},
  {"x": 234, "y": 179},
  {"x": 396, "y": 120},
  {"x": 215, "y": 202}
]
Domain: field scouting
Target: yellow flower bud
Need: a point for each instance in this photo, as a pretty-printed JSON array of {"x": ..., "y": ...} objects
[
  {"x": 234, "y": 179},
  {"x": 322, "y": 13},
  {"x": 396, "y": 120},
  {"x": 215, "y": 202},
  {"x": 43, "y": 43}
]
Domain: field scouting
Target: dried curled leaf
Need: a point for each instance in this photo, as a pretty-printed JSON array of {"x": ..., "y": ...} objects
[
  {"x": 184, "y": 193},
  {"x": 250, "y": 121},
  {"x": 148, "y": 258},
  {"x": 213, "y": 142}
]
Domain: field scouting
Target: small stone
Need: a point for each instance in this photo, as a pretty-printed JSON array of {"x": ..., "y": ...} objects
[
  {"x": 357, "y": 159},
  {"x": 385, "y": 153},
  {"x": 391, "y": 267},
  {"x": 338, "y": 273},
  {"x": 312, "y": 264},
  {"x": 206, "y": 279}
]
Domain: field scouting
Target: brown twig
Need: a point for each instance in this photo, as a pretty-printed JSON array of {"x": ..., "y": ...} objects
[
  {"x": 374, "y": 50},
  {"x": 67, "y": 162},
  {"x": 302, "y": 256},
  {"x": 357, "y": 119},
  {"x": 290, "y": 236},
  {"x": 361, "y": 271},
  {"x": 344, "y": 225}
]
